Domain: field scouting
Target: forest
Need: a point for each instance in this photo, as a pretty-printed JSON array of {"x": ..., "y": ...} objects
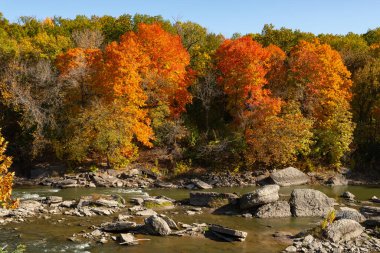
[{"x": 108, "y": 91}]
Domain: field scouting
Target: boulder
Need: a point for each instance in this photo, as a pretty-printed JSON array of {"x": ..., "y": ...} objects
[
  {"x": 264, "y": 195},
  {"x": 53, "y": 199},
  {"x": 348, "y": 196},
  {"x": 349, "y": 213},
  {"x": 227, "y": 234},
  {"x": 289, "y": 176},
  {"x": 343, "y": 230},
  {"x": 274, "y": 210},
  {"x": 68, "y": 203},
  {"x": 146, "y": 212},
  {"x": 369, "y": 211},
  {"x": 157, "y": 226},
  {"x": 309, "y": 202},
  {"x": 171, "y": 223},
  {"x": 207, "y": 198},
  {"x": 128, "y": 239},
  {"x": 372, "y": 222},
  {"x": 30, "y": 205},
  {"x": 120, "y": 226},
  {"x": 200, "y": 184},
  {"x": 158, "y": 203},
  {"x": 374, "y": 199},
  {"x": 337, "y": 180},
  {"x": 106, "y": 202}
]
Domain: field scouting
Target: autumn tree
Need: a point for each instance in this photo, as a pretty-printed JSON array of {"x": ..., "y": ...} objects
[
  {"x": 321, "y": 84},
  {"x": 366, "y": 114},
  {"x": 166, "y": 78},
  {"x": 273, "y": 138},
  {"x": 6, "y": 178}
]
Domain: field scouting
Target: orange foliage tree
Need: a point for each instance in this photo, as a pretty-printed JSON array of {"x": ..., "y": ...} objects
[
  {"x": 144, "y": 71},
  {"x": 6, "y": 178},
  {"x": 273, "y": 137},
  {"x": 243, "y": 64},
  {"x": 321, "y": 84},
  {"x": 167, "y": 77}
]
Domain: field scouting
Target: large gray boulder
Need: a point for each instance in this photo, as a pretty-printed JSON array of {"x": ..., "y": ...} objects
[
  {"x": 289, "y": 176},
  {"x": 264, "y": 195},
  {"x": 349, "y": 213},
  {"x": 207, "y": 198},
  {"x": 274, "y": 210},
  {"x": 309, "y": 202},
  {"x": 344, "y": 230},
  {"x": 157, "y": 226}
]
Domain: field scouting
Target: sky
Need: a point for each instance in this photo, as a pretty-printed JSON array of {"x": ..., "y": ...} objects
[{"x": 219, "y": 16}]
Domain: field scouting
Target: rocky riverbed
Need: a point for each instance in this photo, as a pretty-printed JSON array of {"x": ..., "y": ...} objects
[{"x": 355, "y": 228}]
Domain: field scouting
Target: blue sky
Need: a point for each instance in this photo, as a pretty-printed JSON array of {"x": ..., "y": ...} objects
[{"x": 219, "y": 16}]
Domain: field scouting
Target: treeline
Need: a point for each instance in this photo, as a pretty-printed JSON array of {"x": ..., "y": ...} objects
[{"x": 104, "y": 89}]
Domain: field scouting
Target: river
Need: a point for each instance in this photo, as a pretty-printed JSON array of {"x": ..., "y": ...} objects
[{"x": 50, "y": 235}]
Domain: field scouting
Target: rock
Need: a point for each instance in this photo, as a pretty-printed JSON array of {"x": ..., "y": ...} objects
[
  {"x": 68, "y": 203},
  {"x": 128, "y": 239},
  {"x": 374, "y": 199},
  {"x": 344, "y": 230},
  {"x": 247, "y": 215},
  {"x": 308, "y": 240},
  {"x": 289, "y": 176},
  {"x": 171, "y": 223},
  {"x": 274, "y": 210},
  {"x": 189, "y": 212},
  {"x": 309, "y": 202},
  {"x": 348, "y": 195},
  {"x": 123, "y": 217},
  {"x": 228, "y": 234},
  {"x": 137, "y": 201},
  {"x": 157, "y": 225},
  {"x": 53, "y": 199},
  {"x": 158, "y": 203},
  {"x": 200, "y": 184},
  {"x": 207, "y": 198},
  {"x": 372, "y": 222},
  {"x": 4, "y": 212},
  {"x": 106, "y": 202},
  {"x": 161, "y": 184},
  {"x": 119, "y": 226},
  {"x": 349, "y": 213},
  {"x": 291, "y": 249},
  {"x": 96, "y": 233},
  {"x": 369, "y": 211},
  {"x": 146, "y": 212},
  {"x": 337, "y": 180},
  {"x": 264, "y": 195},
  {"x": 30, "y": 205}
]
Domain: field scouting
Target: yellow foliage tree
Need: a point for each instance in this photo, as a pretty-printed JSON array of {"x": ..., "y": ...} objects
[{"x": 6, "y": 178}]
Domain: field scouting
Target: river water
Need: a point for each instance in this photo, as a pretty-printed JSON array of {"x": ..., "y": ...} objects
[{"x": 50, "y": 235}]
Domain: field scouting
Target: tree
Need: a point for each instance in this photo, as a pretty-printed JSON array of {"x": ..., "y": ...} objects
[
  {"x": 6, "y": 178},
  {"x": 366, "y": 114},
  {"x": 321, "y": 83},
  {"x": 272, "y": 138},
  {"x": 243, "y": 64},
  {"x": 166, "y": 79}
]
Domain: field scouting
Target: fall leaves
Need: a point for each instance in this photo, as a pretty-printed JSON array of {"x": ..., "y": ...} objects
[
  {"x": 285, "y": 106},
  {"x": 6, "y": 178},
  {"x": 309, "y": 107},
  {"x": 145, "y": 70}
]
